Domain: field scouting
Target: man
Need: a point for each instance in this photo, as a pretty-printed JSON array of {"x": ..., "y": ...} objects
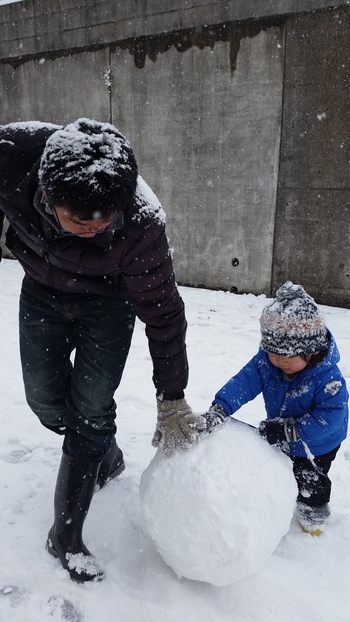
[{"x": 90, "y": 236}]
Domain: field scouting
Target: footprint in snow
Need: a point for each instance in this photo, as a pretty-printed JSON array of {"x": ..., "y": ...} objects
[
  {"x": 15, "y": 595},
  {"x": 56, "y": 605}
]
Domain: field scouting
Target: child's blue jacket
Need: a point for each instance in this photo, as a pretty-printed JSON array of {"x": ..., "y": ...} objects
[{"x": 316, "y": 398}]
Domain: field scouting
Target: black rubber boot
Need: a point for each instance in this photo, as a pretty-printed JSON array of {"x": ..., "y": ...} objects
[
  {"x": 111, "y": 466},
  {"x": 75, "y": 486}
]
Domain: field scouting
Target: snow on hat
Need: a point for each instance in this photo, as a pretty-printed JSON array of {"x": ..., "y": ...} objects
[
  {"x": 88, "y": 163},
  {"x": 291, "y": 325}
]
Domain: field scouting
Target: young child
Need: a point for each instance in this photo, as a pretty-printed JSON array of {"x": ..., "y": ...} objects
[{"x": 305, "y": 396}]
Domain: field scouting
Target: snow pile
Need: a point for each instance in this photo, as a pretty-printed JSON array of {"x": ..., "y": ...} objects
[{"x": 217, "y": 512}]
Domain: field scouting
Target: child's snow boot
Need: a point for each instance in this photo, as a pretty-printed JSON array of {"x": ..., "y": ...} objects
[{"x": 312, "y": 519}]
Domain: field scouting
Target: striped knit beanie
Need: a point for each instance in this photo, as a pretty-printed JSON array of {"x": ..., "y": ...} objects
[{"x": 291, "y": 325}]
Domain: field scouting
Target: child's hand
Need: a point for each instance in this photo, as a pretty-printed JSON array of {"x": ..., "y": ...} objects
[
  {"x": 214, "y": 418},
  {"x": 278, "y": 432}
]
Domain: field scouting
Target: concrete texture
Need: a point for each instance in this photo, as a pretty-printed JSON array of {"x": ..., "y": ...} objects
[
  {"x": 312, "y": 232},
  {"x": 28, "y": 27},
  {"x": 209, "y": 142},
  {"x": 58, "y": 91}
]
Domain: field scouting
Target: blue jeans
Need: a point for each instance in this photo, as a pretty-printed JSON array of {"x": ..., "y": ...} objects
[{"x": 74, "y": 396}]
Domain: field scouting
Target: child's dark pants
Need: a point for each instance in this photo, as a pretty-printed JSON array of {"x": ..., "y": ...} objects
[{"x": 314, "y": 485}]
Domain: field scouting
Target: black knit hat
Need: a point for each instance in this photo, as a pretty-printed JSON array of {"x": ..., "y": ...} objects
[
  {"x": 291, "y": 325},
  {"x": 88, "y": 167}
]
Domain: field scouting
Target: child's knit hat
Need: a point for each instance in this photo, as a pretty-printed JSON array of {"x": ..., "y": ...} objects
[{"x": 291, "y": 325}]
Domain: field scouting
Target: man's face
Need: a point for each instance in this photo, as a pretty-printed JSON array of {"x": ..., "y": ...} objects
[{"x": 70, "y": 223}]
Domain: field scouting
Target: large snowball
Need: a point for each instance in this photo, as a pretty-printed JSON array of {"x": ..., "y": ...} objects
[{"x": 216, "y": 513}]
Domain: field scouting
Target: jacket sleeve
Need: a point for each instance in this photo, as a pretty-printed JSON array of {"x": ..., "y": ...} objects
[
  {"x": 21, "y": 145},
  {"x": 148, "y": 274},
  {"x": 2, "y": 216},
  {"x": 330, "y": 412},
  {"x": 241, "y": 388}
]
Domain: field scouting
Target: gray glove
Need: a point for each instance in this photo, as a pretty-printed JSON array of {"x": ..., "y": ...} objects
[{"x": 177, "y": 427}]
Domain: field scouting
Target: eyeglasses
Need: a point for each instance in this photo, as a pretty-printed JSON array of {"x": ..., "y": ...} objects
[{"x": 67, "y": 226}]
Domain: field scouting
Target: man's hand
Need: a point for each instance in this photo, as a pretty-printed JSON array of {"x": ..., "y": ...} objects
[
  {"x": 278, "y": 432},
  {"x": 177, "y": 427}
]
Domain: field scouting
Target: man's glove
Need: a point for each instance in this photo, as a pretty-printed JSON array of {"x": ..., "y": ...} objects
[
  {"x": 214, "y": 418},
  {"x": 177, "y": 427},
  {"x": 279, "y": 432}
]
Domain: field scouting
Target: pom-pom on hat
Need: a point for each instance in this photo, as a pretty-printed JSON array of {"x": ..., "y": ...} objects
[{"x": 291, "y": 325}]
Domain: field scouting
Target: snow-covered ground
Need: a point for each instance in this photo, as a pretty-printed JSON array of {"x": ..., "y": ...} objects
[{"x": 306, "y": 579}]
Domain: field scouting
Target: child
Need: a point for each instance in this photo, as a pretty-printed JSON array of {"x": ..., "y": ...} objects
[{"x": 305, "y": 396}]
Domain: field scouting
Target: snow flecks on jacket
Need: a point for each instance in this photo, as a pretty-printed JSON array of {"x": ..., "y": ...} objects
[
  {"x": 31, "y": 127},
  {"x": 316, "y": 398},
  {"x": 333, "y": 387},
  {"x": 147, "y": 203},
  {"x": 134, "y": 257},
  {"x": 301, "y": 390}
]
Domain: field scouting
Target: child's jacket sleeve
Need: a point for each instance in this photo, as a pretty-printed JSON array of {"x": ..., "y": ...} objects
[{"x": 243, "y": 387}]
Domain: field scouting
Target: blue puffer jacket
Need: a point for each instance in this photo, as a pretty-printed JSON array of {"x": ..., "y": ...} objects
[{"x": 316, "y": 398}]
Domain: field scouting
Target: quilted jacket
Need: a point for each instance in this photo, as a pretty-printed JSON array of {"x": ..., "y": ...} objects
[
  {"x": 316, "y": 398},
  {"x": 135, "y": 256}
]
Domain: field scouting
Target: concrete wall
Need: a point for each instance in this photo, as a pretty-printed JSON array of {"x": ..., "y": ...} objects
[
  {"x": 59, "y": 90},
  {"x": 312, "y": 235},
  {"x": 31, "y": 27},
  {"x": 238, "y": 113},
  {"x": 209, "y": 141}
]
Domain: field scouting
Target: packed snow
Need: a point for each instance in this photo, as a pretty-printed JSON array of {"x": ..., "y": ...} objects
[
  {"x": 217, "y": 513},
  {"x": 305, "y": 579}
]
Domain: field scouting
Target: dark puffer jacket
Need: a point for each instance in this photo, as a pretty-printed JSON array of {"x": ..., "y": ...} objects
[{"x": 135, "y": 256}]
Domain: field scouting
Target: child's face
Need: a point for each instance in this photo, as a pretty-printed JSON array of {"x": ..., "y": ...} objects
[{"x": 289, "y": 364}]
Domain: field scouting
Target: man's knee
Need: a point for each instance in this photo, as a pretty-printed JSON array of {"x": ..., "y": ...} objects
[{"x": 50, "y": 416}]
